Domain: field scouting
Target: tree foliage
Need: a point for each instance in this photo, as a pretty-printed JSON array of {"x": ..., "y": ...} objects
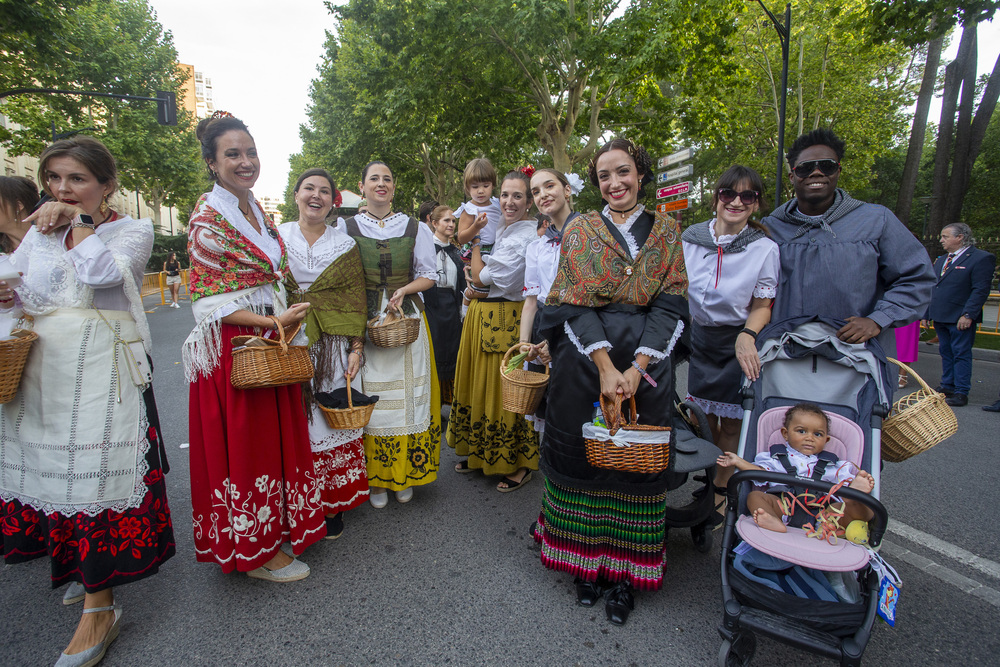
[{"x": 126, "y": 52}]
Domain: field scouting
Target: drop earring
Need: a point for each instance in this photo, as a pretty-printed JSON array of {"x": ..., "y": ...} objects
[{"x": 104, "y": 205}]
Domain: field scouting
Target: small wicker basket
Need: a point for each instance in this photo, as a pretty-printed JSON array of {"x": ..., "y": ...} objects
[
  {"x": 521, "y": 391},
  {"x": 396, "y": 330},
  {"x": 641, "y": 457},
  {"x": 265, "y": 362},
  {"x": 918, "y": 421},
  {"x": 13, "y": 356},
  {"x": 349, "y": 417}
]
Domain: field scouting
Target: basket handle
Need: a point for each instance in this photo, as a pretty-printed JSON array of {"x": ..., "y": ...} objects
[
  {"x": 616, "y": 423},
  {"x": 350, "y": 401},
  {"x": 281, "y": 334},
  {"x": 509, "y": 354},
  {"x": 912, "y": 372}
]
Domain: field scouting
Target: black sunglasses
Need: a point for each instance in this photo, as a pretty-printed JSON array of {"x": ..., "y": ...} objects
[
  {"x": 727, "y": 195},
  {"x": 826, "y": 167}
]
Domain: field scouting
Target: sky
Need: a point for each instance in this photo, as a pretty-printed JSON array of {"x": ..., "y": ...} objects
[{"x": 262, "y": 55}]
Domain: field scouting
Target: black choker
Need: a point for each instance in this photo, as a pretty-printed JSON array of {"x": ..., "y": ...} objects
[{"x": 623, "y": 212}]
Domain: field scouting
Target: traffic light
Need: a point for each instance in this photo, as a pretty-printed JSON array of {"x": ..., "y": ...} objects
[{"x": 166, "y": 107}]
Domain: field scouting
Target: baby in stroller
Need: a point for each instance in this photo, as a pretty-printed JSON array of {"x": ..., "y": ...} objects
[{"x": 806, "y": 433}]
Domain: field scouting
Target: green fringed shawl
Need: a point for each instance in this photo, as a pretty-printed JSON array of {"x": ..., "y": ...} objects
[{"x": 337, "y": 298}]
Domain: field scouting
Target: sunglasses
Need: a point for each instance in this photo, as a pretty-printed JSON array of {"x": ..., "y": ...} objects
[
  {"x": 748, "y": 197},
  {"x": 826, "y": 167}
]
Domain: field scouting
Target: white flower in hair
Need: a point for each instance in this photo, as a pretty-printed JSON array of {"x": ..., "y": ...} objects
[{"x": 575, "y": 183}]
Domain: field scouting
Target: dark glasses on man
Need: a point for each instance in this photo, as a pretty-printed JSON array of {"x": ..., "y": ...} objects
[
  {"x": 826, "y": 167},
  {"x": 748, "y": 197}
]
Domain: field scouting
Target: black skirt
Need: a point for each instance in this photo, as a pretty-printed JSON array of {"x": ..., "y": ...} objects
[
  {"x": 714, "y": 374},
  {"x": 443, "y": 307},
  {"x": 574, "y": 387}
]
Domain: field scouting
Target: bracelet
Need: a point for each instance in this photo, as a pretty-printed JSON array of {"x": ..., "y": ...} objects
[
  {"x": 643, "y": 373},
  {"x": 751, "y": 332},
  {"x": 84, "y": 221}
]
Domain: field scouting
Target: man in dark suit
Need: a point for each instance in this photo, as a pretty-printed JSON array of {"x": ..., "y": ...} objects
[{"x": 963, "y": 283}]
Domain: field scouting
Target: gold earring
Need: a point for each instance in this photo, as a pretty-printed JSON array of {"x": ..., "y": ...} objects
[{"x": 104, "y": 205}]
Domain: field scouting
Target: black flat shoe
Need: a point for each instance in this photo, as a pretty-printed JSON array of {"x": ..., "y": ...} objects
[
  {"x": 957, "y": 400},
  {"x": 587, "y": 592},
  {"x": 992, "y": 408},
  {"x": 948, "y": 393},
  {"x": 619, "y": 603}
]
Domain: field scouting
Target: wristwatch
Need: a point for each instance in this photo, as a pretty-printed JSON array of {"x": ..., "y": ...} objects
[{"x": 84, "y": 221}]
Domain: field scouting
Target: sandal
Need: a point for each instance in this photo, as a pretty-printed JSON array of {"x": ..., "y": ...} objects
[
  {"x": 513, "y": 485},
  {"x": 463, "y": 467}
]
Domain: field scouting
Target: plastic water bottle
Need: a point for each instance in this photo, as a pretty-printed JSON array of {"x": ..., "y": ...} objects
[{"x": 598, "y": 416}]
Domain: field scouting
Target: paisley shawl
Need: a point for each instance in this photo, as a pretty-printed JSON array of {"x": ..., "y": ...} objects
[
  {"x": 222, "y": 259},
  {"x": 595, "y": 271}
]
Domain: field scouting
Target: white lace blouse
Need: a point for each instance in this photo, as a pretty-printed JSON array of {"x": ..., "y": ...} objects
[
  {"x": 541, "y": 265},
  {"x": 307, "y": 262},
  {"x": 720, "y": 290},
  {"x": 504, "y": 270},
  {"x": 92, "y": 274}
]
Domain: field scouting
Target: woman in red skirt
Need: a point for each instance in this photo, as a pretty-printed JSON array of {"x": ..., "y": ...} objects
[{"x": 253, "y": 486}]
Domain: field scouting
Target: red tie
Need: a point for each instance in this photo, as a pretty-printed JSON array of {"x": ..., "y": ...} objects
[{"x": 947, "y": 262}]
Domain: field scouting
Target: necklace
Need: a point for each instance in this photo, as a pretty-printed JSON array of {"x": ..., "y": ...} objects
[
  {"x": 624, "y": 211},
  {"x": 380, "y": 221}
]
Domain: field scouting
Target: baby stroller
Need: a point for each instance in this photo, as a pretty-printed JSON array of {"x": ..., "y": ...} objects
[
  {"x": 693, "y": 453},
  {"x": 803, "y": 360}
]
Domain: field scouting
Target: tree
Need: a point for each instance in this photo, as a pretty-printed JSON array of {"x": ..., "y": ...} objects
[{"x": 127, "y": 53}]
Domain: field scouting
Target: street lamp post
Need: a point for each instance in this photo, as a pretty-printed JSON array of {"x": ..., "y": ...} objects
[{"x": 785, "y": 35}]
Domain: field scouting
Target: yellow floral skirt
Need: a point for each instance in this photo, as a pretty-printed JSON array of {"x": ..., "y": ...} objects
[
  {"x": 495, "y": 441},
  {"x": 395, "y": 459}
]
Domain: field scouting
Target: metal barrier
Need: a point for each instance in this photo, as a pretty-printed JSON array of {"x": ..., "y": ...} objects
[{"x": 157, "y": 282}]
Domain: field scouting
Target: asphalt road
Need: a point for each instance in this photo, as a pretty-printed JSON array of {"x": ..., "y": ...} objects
[{"x": 453, "y": 578}]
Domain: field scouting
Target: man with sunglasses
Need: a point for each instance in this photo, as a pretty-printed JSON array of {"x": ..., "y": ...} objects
[{"x": 842, "y": 258}]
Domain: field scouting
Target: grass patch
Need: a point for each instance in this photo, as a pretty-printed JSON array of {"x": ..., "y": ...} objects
[{"x": 986, "y": 340}]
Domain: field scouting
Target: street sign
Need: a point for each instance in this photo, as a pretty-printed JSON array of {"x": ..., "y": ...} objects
[
  {"x": 672, "y": 190},
  {"x": 679, "y": 172},
  {"x": 675, "y": 205},
  {"x": 674, "y": 158}
]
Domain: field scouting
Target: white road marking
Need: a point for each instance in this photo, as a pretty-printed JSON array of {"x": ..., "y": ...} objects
[
  {"x": 972, "y": 587},
  {"x": 984, "y": 565}
]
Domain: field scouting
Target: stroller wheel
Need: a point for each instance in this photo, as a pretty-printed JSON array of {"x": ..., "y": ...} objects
[
  {"x": 702, "y": 538},
  {"x": 738, "y": 652}
]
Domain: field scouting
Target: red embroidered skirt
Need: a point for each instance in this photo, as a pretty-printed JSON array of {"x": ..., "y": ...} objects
[
  {"x": 342, "y": 476},
  {"x": 107, "y": 550},
  {"x": 253, "y": 484}
]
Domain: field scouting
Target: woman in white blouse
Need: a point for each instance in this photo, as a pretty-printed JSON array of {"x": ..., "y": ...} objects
[
  {"x": 494, "y": 440},
  {"x": 403, "y": 438},
  {"x": 325, "y": 271},
  {"x": 732, "y": 269},
  {"x": 82, "y": 479}
]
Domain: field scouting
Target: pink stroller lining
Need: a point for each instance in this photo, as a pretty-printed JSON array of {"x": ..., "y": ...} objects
[{"x": 796, "y": 548}]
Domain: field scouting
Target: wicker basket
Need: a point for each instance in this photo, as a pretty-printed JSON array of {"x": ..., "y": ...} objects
[
  {"x": 918, "y": 421},
  {"x": 521, "y": 390},
  {"x": 395, "y": 330},
  {"x": 13, "y": 355},
  {"x": 265, "y": 362},
  {"x": 349, "y": 417},
  {"x": 639, "y": 457}
]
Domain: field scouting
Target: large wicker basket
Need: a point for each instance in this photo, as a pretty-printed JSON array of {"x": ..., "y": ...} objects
[
  {"x": 638, "y": 457},
  {"x": 918, "y": 421},
  {"x": 396, "y": 330},
  {"x": 13, "y": 355},
  {"x": 349, "y": 417},
  {"x": 521, "y": 390},
  {"x": 265, "y": 362}
]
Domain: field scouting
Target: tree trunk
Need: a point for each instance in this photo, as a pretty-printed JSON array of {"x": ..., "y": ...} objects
[
  {"x": 953, "y": 75},
  {"x": 958, "y": 181},
  {"x": 967, "y": 151},
  {"x": 915, "y": 149}
]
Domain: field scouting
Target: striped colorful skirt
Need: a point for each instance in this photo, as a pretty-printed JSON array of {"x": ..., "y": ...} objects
[{"x": 607, "y": 535}]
